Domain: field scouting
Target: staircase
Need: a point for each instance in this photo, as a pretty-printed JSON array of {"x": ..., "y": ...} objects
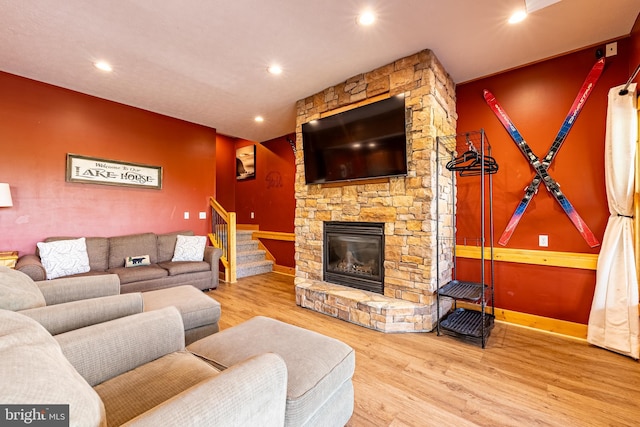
[{"x": 250, "y": 260}]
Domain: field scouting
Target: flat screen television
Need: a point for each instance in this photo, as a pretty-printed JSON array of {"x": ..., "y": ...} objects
[{"x": 366, "y": 142}]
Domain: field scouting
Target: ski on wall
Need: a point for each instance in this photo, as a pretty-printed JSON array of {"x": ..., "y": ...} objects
[{"x": 541, "y": 167}]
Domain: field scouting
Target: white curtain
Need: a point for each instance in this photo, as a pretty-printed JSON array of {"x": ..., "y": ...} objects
[{"x": 613, "y": 322}]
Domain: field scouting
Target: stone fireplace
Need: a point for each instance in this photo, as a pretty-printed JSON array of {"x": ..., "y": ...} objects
[{"x": 403, "y": 206}]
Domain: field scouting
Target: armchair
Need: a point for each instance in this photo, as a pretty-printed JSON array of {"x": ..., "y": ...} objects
[
  {"x": 135, "y": 371},
  {"x": 69, "y": 303}
]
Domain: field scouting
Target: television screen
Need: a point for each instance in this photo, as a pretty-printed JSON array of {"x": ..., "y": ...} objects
[{"x": 366, "y": 142}]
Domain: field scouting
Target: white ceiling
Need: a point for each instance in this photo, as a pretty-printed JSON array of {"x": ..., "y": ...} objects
[{"x": 205, "y": 61}]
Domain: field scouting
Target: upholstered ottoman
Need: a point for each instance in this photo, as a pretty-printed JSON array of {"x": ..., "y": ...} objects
[
  {"x": 200, "y": 313},
  {"x": 319, "y": 368}
]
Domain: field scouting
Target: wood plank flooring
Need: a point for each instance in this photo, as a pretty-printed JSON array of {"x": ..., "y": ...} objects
[{"x": 522, "y": 378}]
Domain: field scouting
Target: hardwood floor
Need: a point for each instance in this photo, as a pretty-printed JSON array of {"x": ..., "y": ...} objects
[{"x": 522, "y": 378}]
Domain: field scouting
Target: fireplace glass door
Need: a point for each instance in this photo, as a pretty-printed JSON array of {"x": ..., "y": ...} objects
[{"x": 353, "y": 254}]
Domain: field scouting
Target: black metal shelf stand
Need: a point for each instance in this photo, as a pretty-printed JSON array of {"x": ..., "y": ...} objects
[{"x": 474, "y": 322}]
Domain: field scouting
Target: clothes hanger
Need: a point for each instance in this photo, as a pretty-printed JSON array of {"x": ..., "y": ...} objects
[
  {"x": 476, "y": 168},
  {"x": 464, "y": 160},
  {"x": 470, "y": 163}
]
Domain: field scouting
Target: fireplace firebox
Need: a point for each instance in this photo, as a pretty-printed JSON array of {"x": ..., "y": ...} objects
[{"x": 354, "y": 254}]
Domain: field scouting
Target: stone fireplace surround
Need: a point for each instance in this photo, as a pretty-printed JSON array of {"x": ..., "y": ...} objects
[{"x": 404, "y": 204}]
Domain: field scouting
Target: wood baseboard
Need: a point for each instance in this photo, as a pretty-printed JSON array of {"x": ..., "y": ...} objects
[
  {"x": 289, "y": 271},
  {"x": 541, "y": 323}
]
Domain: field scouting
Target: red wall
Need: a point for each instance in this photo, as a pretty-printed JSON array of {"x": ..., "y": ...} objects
[
  {"x": 635, "y": 49},
  {"x": 40, "y": 124},
  {"x": 537, "y": 98},
  {"x": 226, "y": 172},
  {"x": 270, "y": 196}
]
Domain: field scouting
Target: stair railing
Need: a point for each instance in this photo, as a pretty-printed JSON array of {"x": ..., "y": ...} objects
[{"x": 223, "y": 236}]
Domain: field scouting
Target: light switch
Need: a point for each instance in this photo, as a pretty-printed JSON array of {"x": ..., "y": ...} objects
[
  {"x": 203, "y": 215},
  {"x": 186, "y": 215}
]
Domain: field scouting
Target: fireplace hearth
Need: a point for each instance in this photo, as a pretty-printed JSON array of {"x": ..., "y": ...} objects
[{"x": 354, "y": 254}]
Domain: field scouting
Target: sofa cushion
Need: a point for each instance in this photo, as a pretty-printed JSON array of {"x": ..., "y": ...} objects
[
  {"x": 183, "y": 267},
  {"x": 189, "y": 248},
  {"x": 147, "y": 386},
  {"x": 121, "y": 247},
  {"x": 34, "y": 371},
  {"x": 64, "y": 257},
  {"x": 139, "y": 274},
  {"x": 97, "y": 250},
  {"x": 167, "y": 244},
  {"x": 18, "y": 291}
]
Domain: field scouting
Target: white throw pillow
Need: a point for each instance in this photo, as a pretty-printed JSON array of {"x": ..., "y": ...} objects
[
  {"x": 189, "y": 248},
  {"x": 64, "y": 257}
]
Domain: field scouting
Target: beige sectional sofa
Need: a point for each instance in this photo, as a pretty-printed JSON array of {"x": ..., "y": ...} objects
[{"x": 107, "y": 256}]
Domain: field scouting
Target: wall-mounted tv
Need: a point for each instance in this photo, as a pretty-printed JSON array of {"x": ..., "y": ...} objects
[{"x": 366, "y": 142}]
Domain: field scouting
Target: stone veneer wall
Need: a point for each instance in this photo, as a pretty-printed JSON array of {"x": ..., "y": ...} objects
[{"x": 404, "y": 204}]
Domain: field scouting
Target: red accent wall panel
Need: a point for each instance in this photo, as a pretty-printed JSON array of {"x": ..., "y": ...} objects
[
  {"x": 284, "y": 252},
  {"x": 538, "y": 98},
  {"x": 270, "y": 196},
  {"x": 555, "y": 292},
  {"x": 635, "y": 48},
  {"x": 226, "y": 172},
  {"x": 40, "y": 124}
]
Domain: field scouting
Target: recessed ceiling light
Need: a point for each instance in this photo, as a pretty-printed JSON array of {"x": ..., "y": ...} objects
[
  {"x": 366, "y": 18},
  {"x": 275, "y": 69},
  {"x": 102, "y": 65},
  {"x": 517, "y": 16},
  {"x": 259, "y": 119}
]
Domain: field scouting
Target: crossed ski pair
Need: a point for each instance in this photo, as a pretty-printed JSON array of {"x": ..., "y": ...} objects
[{"x": 541, "y": 167}]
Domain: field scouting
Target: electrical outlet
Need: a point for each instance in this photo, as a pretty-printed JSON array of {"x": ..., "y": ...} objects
[
  {"x": 543, "y": 241},
  {"x": 252, "y": 215},
  {"x": 611, "y": 49},
  {"x": 203, "y": 215},
  {"x": 186, "y": 215}
]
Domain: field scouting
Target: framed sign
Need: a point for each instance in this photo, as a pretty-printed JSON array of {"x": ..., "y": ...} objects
[
  {"x": 112, "y": 172},
  {"x": 246, "y": 162}
]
